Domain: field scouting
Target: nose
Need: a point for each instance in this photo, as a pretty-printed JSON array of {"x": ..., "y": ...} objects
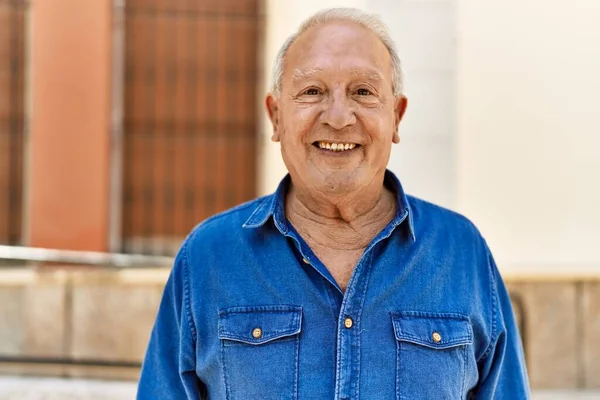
[{"x": 340, "y": 111}]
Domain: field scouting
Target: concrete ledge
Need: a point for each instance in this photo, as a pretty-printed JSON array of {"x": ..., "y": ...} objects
[
  {"x": 554, "y": 273},
  {"x": 13, "y": 388},
  {"x": 102, "y": 318},
  {"x": 77, "y": 322}
]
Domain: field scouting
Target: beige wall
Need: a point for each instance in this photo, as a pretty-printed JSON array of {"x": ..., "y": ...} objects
[
  {"x": 424, "y": 32},
  {"x": 528, "y": 142}
]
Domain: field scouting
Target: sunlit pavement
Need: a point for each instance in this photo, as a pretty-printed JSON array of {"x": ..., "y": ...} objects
[
  {"x": 566, "y": 395},
  {"x": 17, "y": 388}
]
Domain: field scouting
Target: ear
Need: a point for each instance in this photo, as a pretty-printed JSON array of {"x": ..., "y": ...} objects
[
  {"x": 399, "y": 109},
  {"x": 272, "y": 105}
]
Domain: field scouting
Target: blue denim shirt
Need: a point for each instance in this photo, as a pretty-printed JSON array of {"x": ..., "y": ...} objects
[{"x": 249, "y": 312}]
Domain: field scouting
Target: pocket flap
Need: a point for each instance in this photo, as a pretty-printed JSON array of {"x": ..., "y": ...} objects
[
  {"x": 434, "y": 330},
  {"x": 259, "y": 324}
]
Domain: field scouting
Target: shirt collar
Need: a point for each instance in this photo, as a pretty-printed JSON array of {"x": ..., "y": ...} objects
[{"x": 273, "y": 206}]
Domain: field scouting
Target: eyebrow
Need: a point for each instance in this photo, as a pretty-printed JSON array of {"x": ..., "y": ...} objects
[
  {"x": 371, "y": 75},
  {"x": 298, "y": 74}
]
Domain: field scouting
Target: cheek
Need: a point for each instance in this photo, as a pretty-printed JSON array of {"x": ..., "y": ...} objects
[
  {"x": 299, "y": 122},
  {"x": 381, "y": 125},
  {"x": 378, "y": 129}
]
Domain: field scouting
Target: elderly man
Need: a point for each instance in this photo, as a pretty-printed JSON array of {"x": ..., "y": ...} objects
[{"x": 339, "y": 285}]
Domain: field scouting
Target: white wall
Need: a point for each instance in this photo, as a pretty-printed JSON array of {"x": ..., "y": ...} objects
[
  {"x": 528, "y": 145},
  {"x": 425, "y": 34},
  {"x": 503, "y": 118}
]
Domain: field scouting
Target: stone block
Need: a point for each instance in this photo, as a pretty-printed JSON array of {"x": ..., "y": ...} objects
[
  {"x": 550, "y": 332},
  {"x": 46, "y": 316},
  {"x": 590, "y": 326},
  {"x": 32, "y": 313},
  {"x": 12, "y": 315},
  {"x": 112, "y": 320}
]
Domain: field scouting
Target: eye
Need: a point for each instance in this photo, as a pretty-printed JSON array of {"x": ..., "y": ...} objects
[
  {"x": 363, "y": 92},
  {"x": 311, "y": 92}
]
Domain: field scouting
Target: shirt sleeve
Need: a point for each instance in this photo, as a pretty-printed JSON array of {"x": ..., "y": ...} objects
[
  {"x": 503, "y": 374},
  {"x": 168, "y": 369}
]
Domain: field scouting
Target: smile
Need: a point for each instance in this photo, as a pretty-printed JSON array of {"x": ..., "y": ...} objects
[{"x": 336, "y": 146}]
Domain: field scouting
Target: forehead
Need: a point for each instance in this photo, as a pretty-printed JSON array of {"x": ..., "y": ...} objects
[{"x": 337, "y": 48}]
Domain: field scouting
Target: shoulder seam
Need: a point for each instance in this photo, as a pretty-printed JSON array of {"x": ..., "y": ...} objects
[
  {"x": 494, "y": 305},
  {"x": 186, "y": 292}
]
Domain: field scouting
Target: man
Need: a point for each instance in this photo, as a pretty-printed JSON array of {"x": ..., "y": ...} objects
[{"x": 338, "y": 286}]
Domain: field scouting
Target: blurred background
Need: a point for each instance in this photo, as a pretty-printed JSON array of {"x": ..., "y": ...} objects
[{"x": 124, "y": 123}]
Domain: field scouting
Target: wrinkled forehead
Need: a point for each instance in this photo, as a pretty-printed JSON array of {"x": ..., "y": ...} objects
[
  {"x": 352, "y": 70},
  {"x": 337, "y": 49}
]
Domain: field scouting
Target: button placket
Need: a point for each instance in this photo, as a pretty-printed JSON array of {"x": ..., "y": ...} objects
[{"x": 348, "y": 340}]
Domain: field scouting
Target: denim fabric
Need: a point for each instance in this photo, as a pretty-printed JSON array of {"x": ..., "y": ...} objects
[{"x": 249, "y": 312}]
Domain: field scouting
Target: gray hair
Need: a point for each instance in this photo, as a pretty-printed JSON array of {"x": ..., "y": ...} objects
[{"x": 367, "y": 20}]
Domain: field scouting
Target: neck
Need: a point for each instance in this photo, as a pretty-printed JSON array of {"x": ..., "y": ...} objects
[{"x": 349, "y": 221}]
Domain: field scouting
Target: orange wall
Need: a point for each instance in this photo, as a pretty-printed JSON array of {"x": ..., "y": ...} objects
[{"x": 69, "y": 148}]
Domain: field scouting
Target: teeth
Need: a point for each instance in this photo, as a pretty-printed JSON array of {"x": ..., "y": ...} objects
[{"x": 337, "y": 146}]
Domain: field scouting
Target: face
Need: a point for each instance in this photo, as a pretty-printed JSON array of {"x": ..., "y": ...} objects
[{"x": 336, "y": 116}]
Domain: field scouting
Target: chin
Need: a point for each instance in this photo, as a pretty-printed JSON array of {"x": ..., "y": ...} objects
[{"x": 341, "y": 182}]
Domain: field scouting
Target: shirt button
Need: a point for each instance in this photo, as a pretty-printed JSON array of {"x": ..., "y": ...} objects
[
  {"x": 348, "y": 322},
  {"x": 436, "y": 337},
  {"x": 257, "y": 333},
  {"x": 305, "y": 261}
]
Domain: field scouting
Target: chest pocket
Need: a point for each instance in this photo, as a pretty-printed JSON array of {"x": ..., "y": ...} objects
[
  {"x": 259, "y": 351},
  {"x": 432, "y": 352}
]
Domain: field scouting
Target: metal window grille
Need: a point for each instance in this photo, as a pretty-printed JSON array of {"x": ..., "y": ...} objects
[
  {"x": 12, "y": 118},
  {"x": 190, "y": 123}
]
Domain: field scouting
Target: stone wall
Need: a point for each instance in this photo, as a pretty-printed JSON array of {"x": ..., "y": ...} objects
[
  {"x": 96, "y": 323},
  {"x": 560, "y": 326},
  {"x": 89, "y": 323}
]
